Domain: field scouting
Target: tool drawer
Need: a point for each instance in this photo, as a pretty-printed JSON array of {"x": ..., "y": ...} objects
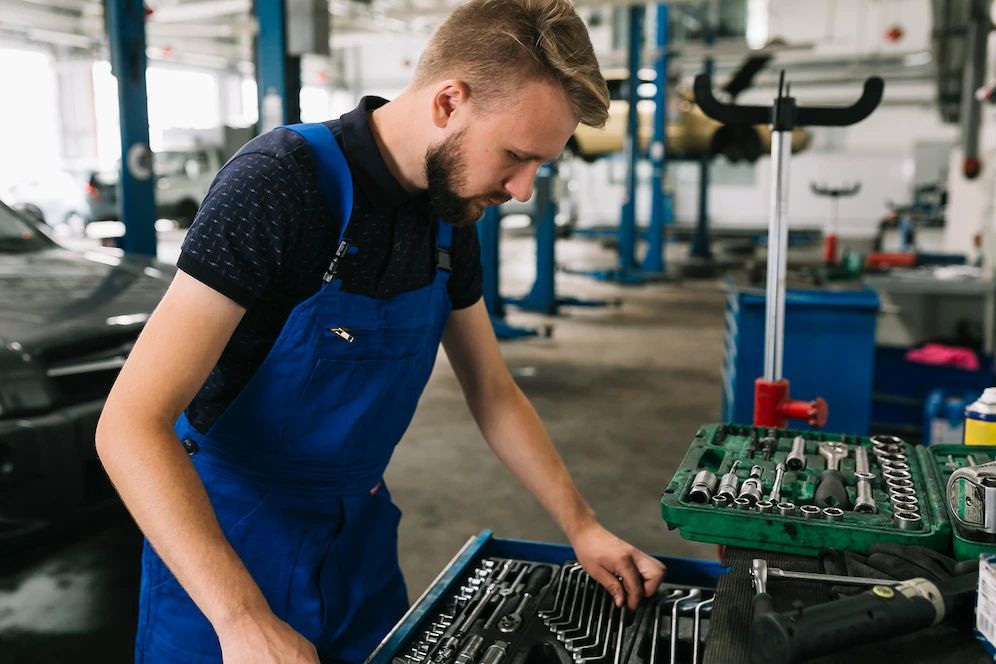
[
  {"x": 513, "y": 602},
  {"x": 725, "y": 491}
]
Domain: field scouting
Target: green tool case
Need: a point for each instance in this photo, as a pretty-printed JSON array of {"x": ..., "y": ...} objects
[
  {"x": 716, "y": 447},
  {"x": 944, "y": 460}
]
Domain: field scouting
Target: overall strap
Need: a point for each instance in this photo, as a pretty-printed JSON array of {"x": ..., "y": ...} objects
[
  {"x": 334, "y": 181},
  {"x": 444, "y": 240}
]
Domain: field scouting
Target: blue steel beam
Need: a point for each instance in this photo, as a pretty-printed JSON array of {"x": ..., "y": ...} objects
[
  {"x": 273, "y": 80},
  {"x": 126, "y": 31},
  {"x": 700, "y": 248},
  {"x": 631, "y": 148},
  {"x": 489, "y": 234},
  {"x": 542, "y": 297},
  {"x": 661, "y": 212}
]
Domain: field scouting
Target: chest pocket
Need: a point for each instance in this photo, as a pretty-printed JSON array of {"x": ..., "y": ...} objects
[
  {"x": 359, "y": 342},
  {"x": 360, "y": 395}
]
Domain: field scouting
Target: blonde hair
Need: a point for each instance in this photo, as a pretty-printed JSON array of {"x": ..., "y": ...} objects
[{"x": 494, "y": 45}]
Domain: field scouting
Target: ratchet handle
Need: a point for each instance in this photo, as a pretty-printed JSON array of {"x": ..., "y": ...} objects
[
  {"x": 826, "y": 628},
  {"x": 538, "y": 580}
]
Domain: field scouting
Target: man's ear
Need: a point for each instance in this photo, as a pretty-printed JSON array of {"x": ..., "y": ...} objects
[{"x": 449, "y": 100}]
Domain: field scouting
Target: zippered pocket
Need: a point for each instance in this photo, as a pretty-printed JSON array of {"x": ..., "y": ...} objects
[
  {"x": 342, "y": 333},
  {"x": 356, "y": 343}
]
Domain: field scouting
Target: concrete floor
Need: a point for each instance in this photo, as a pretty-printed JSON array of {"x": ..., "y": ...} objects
[{"x": 622, "y": 391}]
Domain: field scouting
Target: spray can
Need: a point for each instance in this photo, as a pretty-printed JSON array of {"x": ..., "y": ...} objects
[{"x": 980, "y": 420}]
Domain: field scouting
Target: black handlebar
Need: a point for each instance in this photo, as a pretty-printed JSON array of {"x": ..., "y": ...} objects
[
  {"x": 835, "y": 192},
  {"x": 784, "y": 114}
]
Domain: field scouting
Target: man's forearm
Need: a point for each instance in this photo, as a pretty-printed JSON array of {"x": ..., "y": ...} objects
[
  {"x": 166, "y": 497},
  {"x": 516, "y": 434}
]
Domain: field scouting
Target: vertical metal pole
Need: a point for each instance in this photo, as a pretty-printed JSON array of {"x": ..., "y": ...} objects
[
  {"x": 272, "y": 87},
  {"x": 631, "y": 150},
  {"x": 488, "y": 231},
  {"x": 543, "y": 297},
  {"x": 700, "y": 240},
  {"x": 126, "y": 25},
  {"x": 973, "y": 77},
  {"x": 660, "y": 212},
  {"x": 774, "y": 324}
]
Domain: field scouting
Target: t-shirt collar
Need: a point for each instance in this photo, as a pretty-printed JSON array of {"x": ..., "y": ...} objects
[{"x": 370, "y": 171}]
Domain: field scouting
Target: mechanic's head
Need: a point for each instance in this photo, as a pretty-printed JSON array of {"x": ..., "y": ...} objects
[{"x": 507, "y": 82}]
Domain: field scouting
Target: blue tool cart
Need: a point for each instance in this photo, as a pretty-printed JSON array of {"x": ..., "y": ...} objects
[
  {"x": 829, "y": 352},
  {"x": 432, "y": 620}
]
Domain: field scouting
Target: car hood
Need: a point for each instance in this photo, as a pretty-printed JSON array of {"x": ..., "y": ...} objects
[{"x": 57, "y": 298}]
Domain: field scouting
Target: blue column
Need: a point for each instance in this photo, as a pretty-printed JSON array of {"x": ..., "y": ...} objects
[
  {"x": 700, "y": 240},
  {"x": 271, "y": 65},
  {"x": 488, "y": 233},
  {"x": 542, "y": 297},
  {"x": 126, "y": 28},
  {"x": 661, "y": 213},
  {"x": 631, "y": 148}
]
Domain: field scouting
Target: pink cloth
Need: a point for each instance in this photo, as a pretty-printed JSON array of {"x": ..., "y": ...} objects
[{"x": 963, "y": 358}]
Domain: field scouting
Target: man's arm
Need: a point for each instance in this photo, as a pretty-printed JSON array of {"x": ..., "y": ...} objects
[
  {"x": 514, "y": 431},
  {"x": 173, "y": 356}
]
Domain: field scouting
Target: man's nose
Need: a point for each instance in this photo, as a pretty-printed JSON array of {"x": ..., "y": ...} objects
[{"x": 520, "y": 185}]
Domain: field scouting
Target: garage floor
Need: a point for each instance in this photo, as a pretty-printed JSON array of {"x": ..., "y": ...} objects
[{"x": 622, "y": 391}]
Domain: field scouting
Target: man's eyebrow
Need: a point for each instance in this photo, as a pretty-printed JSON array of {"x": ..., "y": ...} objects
[{"x": 528, "y": 156}]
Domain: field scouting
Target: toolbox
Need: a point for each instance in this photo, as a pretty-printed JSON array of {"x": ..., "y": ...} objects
[
  {"x": 945, "y": 459},
  {"x": 504, "y": 601},
  {"x": 903, "y": 498}
]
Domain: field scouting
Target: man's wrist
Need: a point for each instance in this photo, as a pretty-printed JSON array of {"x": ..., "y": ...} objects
[
  {"x": 582, "y": 521},
  {"x": 240, "y": 613}
]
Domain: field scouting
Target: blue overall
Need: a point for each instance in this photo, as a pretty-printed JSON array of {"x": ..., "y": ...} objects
[{"x": 294, "y": 466}]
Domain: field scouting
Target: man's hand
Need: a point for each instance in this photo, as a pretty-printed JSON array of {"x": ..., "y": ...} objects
[
  {"x": 624, "y": 571},
  {"x": 264, "y": 639}
]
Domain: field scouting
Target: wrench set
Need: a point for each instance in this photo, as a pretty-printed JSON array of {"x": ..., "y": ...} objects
[
  {"x": 510, "y": 611},
  {"x": 835, "y": 490}
]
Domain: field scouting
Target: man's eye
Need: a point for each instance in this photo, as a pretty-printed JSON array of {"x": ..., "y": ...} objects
[{"x": 514, "y": 156}]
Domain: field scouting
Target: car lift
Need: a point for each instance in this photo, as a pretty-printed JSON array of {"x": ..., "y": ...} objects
[
  {"x": 126, "y": 31},
  {"x": 542, "y": 297},
  {"x": 653, "y": 266},
  {"x": 772, "y": 405},
  {"x": 489, "y": 234},
  {"x": 278, "y": 74}
]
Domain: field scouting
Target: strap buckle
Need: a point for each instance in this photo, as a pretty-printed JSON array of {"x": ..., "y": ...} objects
[
  {"x": 334, "y": 265},
  {"x": 443, "y": 259}
]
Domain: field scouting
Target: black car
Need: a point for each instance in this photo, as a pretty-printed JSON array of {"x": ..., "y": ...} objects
[{"x": 67, "y": 323}]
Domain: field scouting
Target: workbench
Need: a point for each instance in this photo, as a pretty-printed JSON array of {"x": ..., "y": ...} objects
[{"x": 916, "y": 307}]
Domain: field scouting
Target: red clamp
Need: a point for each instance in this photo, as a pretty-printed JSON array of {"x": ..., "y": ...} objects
[{"x": 773, "y": 408}]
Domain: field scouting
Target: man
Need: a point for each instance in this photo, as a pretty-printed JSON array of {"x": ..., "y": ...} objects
[{"x": 291, "y": 349}]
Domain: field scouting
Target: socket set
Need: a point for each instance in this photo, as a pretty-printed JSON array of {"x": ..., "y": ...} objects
[
  {"x": 509, "y": 611},
  {"x": 801, "y": 491},
  {"x": 968, "y": 475}
]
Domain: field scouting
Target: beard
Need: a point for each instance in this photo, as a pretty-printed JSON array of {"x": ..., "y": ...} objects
[{"x": 445, "y": 169}]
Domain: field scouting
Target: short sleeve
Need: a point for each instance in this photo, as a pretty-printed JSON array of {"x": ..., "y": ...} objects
[
  {"x": 241, "y": 233},
  {"x": 466, "y": 281}
]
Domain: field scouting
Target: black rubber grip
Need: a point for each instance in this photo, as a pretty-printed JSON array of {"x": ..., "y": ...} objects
[
  {"x": 782, "y": 638},
  {"x": 538, "y": 580},
  {"x": 832, "y": 491}
]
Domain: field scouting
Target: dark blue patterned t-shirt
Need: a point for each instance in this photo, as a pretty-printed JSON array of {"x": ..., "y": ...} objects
[{"x": 263, "y": 237}]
